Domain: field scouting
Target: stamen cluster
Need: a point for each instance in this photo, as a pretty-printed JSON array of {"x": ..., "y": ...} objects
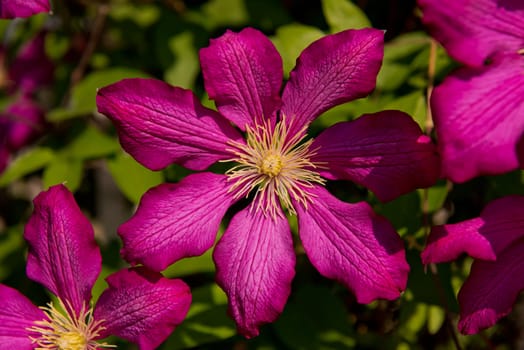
[
  {"x": 278, "y": 164},
  {"x": 64, "y": 330}
]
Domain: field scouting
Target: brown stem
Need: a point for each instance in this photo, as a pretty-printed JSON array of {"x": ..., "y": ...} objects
[{"x": 94, "y": 39}]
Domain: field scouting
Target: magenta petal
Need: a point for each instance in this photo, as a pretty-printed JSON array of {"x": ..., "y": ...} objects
[
  {"x": 482, "y": 238},
  {"x": 473, "y": 30},
  {"x": 353, "y": 245},
  {"x": 243, "y": 74},
  {"x": 385, "y": 152},
  {"x": 142, "y": 306},
  {"x": 17, "y": 314},
  {"x": 32, "y": 68},
  {"x": 491, "y": 289},
  {"x": 175, "y": 221},
  {"x": 22, "y": 8},
  {"x": 63, "y": 254},
  {"x": 335, "y": 69},
  {"x": 159, "y": 124},
  {"x": 479, "y": 119},
  {"x": 255, "y": 264},
  {"x": 25, "y": 122}
]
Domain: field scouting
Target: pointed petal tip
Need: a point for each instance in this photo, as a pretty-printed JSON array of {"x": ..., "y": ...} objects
[
  {"x": 355, "y": 246},
  {"x": 255, "y": 264}
]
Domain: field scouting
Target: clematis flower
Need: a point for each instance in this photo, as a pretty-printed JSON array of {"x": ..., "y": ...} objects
[
  {"x": 496, "y": 241},
  {"x": 479, "y": 109},
  {"x": 275, "y": 166},
  {"x": 139, "y": 305},
  {"x": 23, "y": 8}
]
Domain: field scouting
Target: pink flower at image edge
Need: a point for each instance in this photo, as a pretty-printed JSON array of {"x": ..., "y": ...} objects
[
  {"x": 273, "y": 163},
  {"x": 139, "y": 305},
  {"x": 496, "y": 241}
]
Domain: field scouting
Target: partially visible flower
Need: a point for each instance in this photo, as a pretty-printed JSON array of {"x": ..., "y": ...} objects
[
  {"x": 31, "y": 69},
  {"x": 479, "y": 109},
  {"x": 275, "y": 165},
  {"x": 23, "y": 8},
  {"x": 139, "y": 305},
  {"x": 496, "y": 241},
  {"x": 23, "y": 120}
]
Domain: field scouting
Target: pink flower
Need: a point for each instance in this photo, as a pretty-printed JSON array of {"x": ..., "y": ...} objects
[
  {"x": 23, "y": 120},
  {"x": 274, "y": 166},
  {"x": 139, "y": 305},
  {"x": 22, "y": 8},
  {"x": 479, "y": 109},
  {"x": 496, "y": 241}
]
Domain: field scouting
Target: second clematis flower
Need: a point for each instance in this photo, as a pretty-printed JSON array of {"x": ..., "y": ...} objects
[
  {"x": 273, "y": 164},
  {"x": 479, "y": 108},
  {"x": 139, "y": 305}
]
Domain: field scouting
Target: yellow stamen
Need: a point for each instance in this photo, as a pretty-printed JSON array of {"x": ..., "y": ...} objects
[
  {"x": 64, "y": 330},
  {"x": 277, "y": 164}
]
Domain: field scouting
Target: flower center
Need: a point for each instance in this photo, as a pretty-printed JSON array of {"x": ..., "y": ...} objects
[
  {"x": 278, "y": 164},
  {"x": 65, "y": 330},
  {"x": 271, "y": 165}
]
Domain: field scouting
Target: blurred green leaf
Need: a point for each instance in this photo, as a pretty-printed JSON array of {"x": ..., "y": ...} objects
[
  {"x": 291, "y": 39},
  {"x": 64, "y": 170},
  {"x": 142, "y": 14},
  {"x": 343, "y": 14},
  {"x": 185, "y": 67},
  {"x": 406, "y": 45},
  {"x": 11, "y": 242},
  {"x": 190, "y": 266},
  {"x": 413, "y": 104},
  {"x": 392, "y": 76},
  {"x": 221, "y": 13},
  {"x": 436, "y": 195},
  {"x": 132, "y": 178},
  {"x": 92, "y": 143},
  {"x": 314, "y": 318},
  {"x": 83, "y": 96},
  {"x": 436, "y": 318},
  {"x": 28, "y": 162},
  {"x": 206, "y": 322}
]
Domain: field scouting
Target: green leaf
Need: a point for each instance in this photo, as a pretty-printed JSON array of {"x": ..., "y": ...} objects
[
  {"x": 64, "y": 170},
  {"x": 413, "y": 104},
  {"x": 343, "y": 14},
  {"x": 189, "y": 266},
  {"x": 83, "y": 96},
  {"x": 221, "y": 13},
  {"x": 291, "y": 39},
  {"x": 392, "y": 76},
  {"x": 30, "y": 161},
  {"x": 91, "y": 143},
  {"x": 144, "y": 15},
  {"x": 315, "y": 319},
  {"x": 436, "y": 196},
  {"x": 185, "y": 68},
  {"x": 436, "y": 318},
  {"x": 406, "y": 45},
  {"x": 206, "y": 321},
  {"x": 132, "y": 178}
]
